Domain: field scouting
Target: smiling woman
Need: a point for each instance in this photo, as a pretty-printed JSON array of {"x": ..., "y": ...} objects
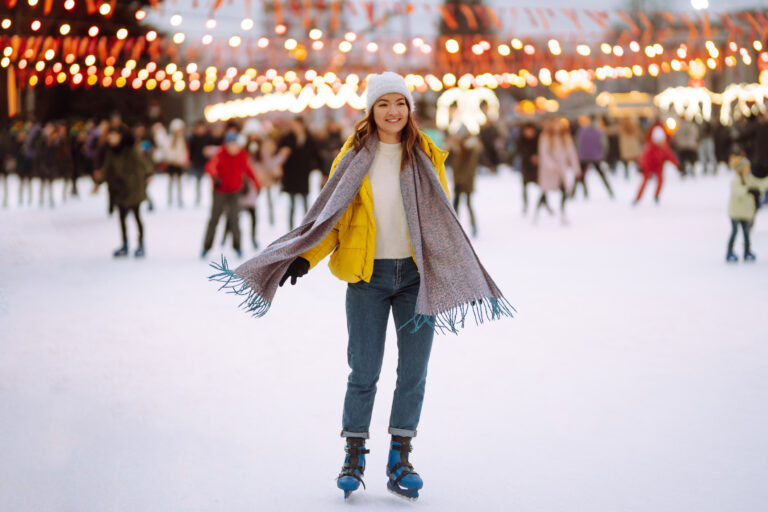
[{"x": 385, "y": 216}]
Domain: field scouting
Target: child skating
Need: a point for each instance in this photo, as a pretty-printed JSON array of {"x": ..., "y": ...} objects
[{"x": 742, "y": 206}]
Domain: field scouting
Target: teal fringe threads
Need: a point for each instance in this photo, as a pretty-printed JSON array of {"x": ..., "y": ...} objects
[
  {"x": 451, "y": 321},
  {"x": 252, "y": 302}
]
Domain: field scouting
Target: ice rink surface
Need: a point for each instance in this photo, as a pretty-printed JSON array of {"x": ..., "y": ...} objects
[{"x": 633, "y": 378}]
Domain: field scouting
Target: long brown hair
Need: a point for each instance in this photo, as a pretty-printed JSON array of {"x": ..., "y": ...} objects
[{"x": 410, "y": 136}]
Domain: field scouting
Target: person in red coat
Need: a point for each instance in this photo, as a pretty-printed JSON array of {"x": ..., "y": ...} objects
[
  {"x": 227, "y": 169},
  {"x": 655, "y": 153}
]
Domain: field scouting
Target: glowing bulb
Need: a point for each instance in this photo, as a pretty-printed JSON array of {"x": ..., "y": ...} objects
[
  {"x": 93, "y": 31},
  {"x": 280, "y": 29},
  {"x": 207, "y": 39},
  {"x": 516, "y": 44},
  {"x": 263, "y": 42},
  {"x": 6, "y": 24},
  {"x": 583, "y": 50},
  {"x": 399, "y": 48},
  {"x": 35, "y": 25},
  {"x": 345, "y": 46},
  {"x": 504, "y": 50},
  {"x": 176, "y": 20},
  {"x": 122, "y": 33},
  {"x": 350, "y": 36},
  {"x": 235, "y": 41},
  {"x": 210, "y": 24},
  {"x": 290, "y": 44},
  {"x": 64, "y": 29},
  {"x": 151, "y": 36},
  {"x": 105, "y": 9},
  {"x": 179, "y": 37},
  {"x": 372, "y": 47},
  {"x": 452, "y": 46},
  {"x": 315, "y": 34},
  {"x": 140, "y": 14}
]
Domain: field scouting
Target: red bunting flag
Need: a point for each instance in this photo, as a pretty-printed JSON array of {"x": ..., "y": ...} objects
[
  {"x": 531, "y": 18},
  {"x": 466, "y": 10},
  {"x": 450, "y": 21},
  {"x": 629, "y": 21},
  {"x": 573, "y": 16},
  {"x": 495, "y": 21}
]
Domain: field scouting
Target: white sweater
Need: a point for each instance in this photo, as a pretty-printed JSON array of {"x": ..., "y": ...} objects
[{"x": 393, "y": 241}]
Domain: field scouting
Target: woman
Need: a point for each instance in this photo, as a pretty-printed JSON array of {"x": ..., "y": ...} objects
[
  {"x": 397, "y": 253},
  {"x": 558, "y": 164},
  {"x": 630, "y": 143},
  {"x": 466, "y": 148},
  {"x": 126, "y": 172}
]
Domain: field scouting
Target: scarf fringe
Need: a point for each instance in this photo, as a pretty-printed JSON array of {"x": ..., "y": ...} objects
[
  {"x": 487, "y": 309},
  {"x": 253, "y": 303}
]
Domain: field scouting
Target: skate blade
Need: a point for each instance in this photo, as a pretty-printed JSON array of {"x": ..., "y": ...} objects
[{"x": 403, "y": 496}]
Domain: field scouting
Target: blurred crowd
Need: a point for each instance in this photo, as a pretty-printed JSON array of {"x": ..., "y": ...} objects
[{"x": 245, "y": 159}]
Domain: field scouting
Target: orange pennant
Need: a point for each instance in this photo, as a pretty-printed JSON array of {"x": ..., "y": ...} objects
[{"x": 466, "y": 10}]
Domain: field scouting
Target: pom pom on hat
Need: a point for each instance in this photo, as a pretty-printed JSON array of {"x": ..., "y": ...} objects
[
  {"x": 176, "y": 125},
  {"x": 385, "y": 83},
  {"x": 658, "y": 135}
]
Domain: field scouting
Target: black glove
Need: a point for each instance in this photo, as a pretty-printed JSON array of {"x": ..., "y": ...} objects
[
  {"x": 216, "y": 182},
  {"x": 298, "y": 268}
]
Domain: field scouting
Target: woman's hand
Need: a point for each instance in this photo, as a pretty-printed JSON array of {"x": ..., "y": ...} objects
[{"x": 297, "y": 268}]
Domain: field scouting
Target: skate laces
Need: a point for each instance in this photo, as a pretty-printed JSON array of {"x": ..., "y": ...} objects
[{"x": 352, "y": 465}]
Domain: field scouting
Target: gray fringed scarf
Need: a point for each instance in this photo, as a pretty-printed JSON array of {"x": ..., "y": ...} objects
[{"x": 453, "y": 281}]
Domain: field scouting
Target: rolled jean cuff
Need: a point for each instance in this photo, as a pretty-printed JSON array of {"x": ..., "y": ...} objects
[
  {"x": 362, "y": 435},
  {"x": 403, "y": 432}
]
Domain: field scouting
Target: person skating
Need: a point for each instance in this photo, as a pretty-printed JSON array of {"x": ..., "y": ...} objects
[
  {"x": 198, "y": 143},
  {"x": 630, "y": 143},
  {"x": 386, "y": 217},
  {"x": 303, "y": 157},
  {"x": 655, "y": 153},
  {"x": 591, "y": 145},
  {"x": 528, "y": 151},
  {"x": 227, "y": 169},
  {"x": 558, "y": 164},
  {"x": 466, "y": 149},
  {"x": 743, "y": 204},
  {"x": 126, "y": 173}
]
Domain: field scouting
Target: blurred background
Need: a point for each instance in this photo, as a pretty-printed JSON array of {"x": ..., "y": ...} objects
[{"x": 609, "y": 162}]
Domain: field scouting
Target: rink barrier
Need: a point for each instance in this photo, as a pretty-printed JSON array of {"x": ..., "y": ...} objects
[
  {"x": 487, "y": 309},
  {"x": 253, "y": 303}
]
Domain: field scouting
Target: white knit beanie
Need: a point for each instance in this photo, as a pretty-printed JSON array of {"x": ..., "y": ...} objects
[{"x": 385, "y": 83}]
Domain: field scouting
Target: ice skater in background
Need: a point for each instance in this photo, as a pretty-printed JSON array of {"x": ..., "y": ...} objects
[
  {"x": 386, "y": 219},
  {"x": 655, "y": 153},
  {"x": 227, "y": 169},
  {"x": 558, "y": 164},
  {"x": 126, "y": 172},
  {"x": 465, "y": 149},
  {"x": 743, "y": 204}
]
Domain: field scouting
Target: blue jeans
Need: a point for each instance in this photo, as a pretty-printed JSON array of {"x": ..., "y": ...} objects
[{"x": 394, "y": 285}]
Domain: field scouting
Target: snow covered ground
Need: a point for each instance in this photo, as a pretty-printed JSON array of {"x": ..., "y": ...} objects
[{"x": 633, "y": 378}]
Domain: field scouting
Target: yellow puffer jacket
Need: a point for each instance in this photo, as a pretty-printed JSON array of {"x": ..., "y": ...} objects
[{"x": 353, "y": 239}]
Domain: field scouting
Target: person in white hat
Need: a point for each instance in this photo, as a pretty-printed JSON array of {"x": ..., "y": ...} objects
[{"x": 386, "y": 217}]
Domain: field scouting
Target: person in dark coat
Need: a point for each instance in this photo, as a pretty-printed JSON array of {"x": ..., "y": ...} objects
[
  {"x": 303, "y": 158},
  {"x": 528, "y": 151},
  {"x": 125, "y": 170},
  {"x": 466, "y": 149},
  {"x": 723, "y": 140},
  {"x": 198, "y": 142},
  {"x": 489, "y": 134}
]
